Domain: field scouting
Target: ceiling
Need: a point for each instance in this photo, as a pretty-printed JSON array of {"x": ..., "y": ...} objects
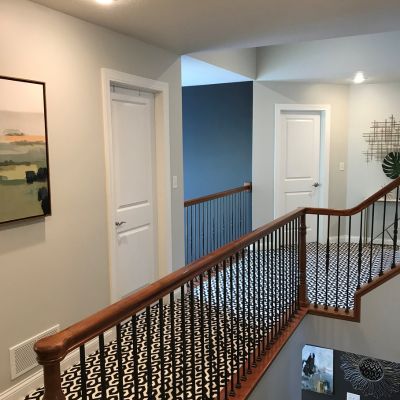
[{"x": 185, "y": 26}]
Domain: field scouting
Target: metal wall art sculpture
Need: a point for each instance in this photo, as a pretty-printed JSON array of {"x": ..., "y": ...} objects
[{"x": 383, "y": 138}]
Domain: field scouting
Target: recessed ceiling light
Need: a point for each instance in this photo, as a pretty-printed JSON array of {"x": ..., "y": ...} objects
[
  {"x": 359, "y": 77},
  {"x": 105, "y": 2}
]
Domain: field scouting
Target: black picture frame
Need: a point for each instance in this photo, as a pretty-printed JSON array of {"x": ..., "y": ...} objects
[{"x": 24, "y": 151}]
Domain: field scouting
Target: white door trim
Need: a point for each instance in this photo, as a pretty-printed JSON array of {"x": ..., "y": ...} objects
[
  {"x": 325, "y": 112},
  {"x": 163, "y": 167}
]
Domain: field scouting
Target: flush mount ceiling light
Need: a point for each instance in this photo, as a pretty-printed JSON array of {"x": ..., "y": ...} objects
[
  {"x": 359, "y": 77},
  {"x": 105, "y": 2}
]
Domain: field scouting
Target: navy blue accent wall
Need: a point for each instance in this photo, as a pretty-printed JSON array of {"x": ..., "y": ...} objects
[{"x": 217, "y": 137}]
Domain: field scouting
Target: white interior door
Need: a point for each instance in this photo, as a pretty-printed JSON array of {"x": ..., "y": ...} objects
[
  {"x": 133, "y": 148},
  {"x": 298, "y": 164}
]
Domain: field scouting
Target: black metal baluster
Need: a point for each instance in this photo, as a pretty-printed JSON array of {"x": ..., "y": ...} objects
[
  {"x": 210, "y": 333},
  {"x": 202, "y": 340},
  {"x": 348, "y": 267},
  {"x": 203, "y": 220},
  {"x": 161, "y": 351},
  {"x": 297, "y": 238},
  {"x": 192, "y": 244},
  {"x": 254, "y": 304},
  {"x": 292, "y": 270},
  {"x": 82, "y": 357},
  {"x": 120, "y": 363},
  {"x": 284, "y": 315},
  {"x": 268, "y": 292},
  {"x": 183, "y": 340},
  {"x": 173, "y": 345},
  {"x": 244, "y": 321},
  {"x": 327, "y": 263},
  {"x": 274, "y": 291},
  {"x": 103, "y": 376},
  {"x": 135, "y": 356},
  {"x": 263, "y": 291},
  {"x": 149, "y": 363},
  {"x": 372, "y": 243},
  {"x": 218, "y": 311},
  {"x": 276, "y": 283},
  {"x": 316, "y": 266},
  {"x": 198, "y": 232},
  {"x": 249, "y": 370},
  {"x": 239, "y": 342},
  {"x": 186, "y": 237},
  {"x": 395, "y": 228},
  {"x": 360, "y": 252},
  {"x": 225, "y": 333},
  {"x": 280, "y": 285},
  {"x": 232, "y": 329},
  {"x": 383, "y": 235},
  {"x": 337, "y": 267},
  {"x": 192, "y": 340}
]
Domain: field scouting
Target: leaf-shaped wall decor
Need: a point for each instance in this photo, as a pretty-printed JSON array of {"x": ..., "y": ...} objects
[{"x": 391, "y": 165}]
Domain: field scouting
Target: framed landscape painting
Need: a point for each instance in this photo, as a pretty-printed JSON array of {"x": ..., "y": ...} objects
[{"x": 24, "y": 165}]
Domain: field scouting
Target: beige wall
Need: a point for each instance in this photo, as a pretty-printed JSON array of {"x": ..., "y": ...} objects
[
  {"x": 265, "y": 96},
  {"x": 376, "y": 336},
  {"x": 368, "y": 103},
  {"x": 55, "y": 270}
]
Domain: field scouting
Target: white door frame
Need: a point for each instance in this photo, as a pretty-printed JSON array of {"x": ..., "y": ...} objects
[
  {"x": 325, "y": 112},
  {"x": 163, "y": 167}
]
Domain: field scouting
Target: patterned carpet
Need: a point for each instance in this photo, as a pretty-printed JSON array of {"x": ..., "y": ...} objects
[
  {"x": 338, "y": 271},
  {"x": 227, "y": 325}
]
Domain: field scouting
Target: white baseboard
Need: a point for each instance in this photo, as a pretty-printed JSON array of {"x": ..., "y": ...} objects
[{"x": 35, "y": 380}]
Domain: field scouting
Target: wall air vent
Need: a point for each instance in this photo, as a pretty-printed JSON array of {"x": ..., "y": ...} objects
[{"x": 22, "y": 355}]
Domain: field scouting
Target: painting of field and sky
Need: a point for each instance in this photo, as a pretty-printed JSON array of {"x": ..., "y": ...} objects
[{"x": 24, "y": 178}]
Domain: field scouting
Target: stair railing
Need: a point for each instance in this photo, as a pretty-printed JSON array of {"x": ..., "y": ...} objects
[
  {"x": 349, "y": 248},
  {"x": 195, "y": 332},
  {"x": 217, "y": 219}
]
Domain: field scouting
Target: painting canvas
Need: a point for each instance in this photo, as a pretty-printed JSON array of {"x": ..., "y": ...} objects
[
  {"x": 317, "y": 369},
  {"x": 24, "y": 168}
]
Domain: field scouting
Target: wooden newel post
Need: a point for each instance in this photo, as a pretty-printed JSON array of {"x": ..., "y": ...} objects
[
  {"x": 303, "y": 262},
  {"x": 52, "y": 382},
  {"x": 50, "y": 351}
]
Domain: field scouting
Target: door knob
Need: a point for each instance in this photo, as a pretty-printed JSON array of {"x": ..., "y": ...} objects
[
  {"x": 119, "y": 223},
  {"x": 316, "y": 184}
]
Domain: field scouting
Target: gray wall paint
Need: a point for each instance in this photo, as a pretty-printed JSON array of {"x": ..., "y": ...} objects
[
  {"x": 240, "y": 61},
  {"x": 375, "y": 336},
  {"x": 368, "y": 103},
  {"x": 332, "y": 60},
  {"x": 265, "y": 96},
  {"x": 56, "y": 270}
]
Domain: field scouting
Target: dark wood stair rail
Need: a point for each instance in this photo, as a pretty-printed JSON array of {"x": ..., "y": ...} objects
[
  {"x": 354, "y": 315},
  {"x": 247, "y": 187},
  {"x": 53, "y": 349}
]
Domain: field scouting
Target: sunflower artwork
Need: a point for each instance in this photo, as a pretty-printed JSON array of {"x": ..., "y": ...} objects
[
  {"x": 24, "y": 177},
  {"x": 374, "y": 378}
]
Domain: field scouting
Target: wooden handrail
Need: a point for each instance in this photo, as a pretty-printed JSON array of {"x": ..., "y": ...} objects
[
  {"x": 54, "y": 348},
  {"x": 363, "y": 205},
  {"x": 247, "y": 187}
]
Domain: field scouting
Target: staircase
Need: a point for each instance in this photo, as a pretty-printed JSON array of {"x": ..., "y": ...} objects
[{"x": 211, "y": 329}]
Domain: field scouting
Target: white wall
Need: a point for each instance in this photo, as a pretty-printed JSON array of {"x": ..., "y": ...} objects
[
  {"x": 239, "y": 61},
  {"x": 375, "y": 336},
  {"x": 265, "y": 96},
  {"x": 368, "y": 102},
  {"x": 332, "y": 59},
  {"x": 55, "y": 270}
]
